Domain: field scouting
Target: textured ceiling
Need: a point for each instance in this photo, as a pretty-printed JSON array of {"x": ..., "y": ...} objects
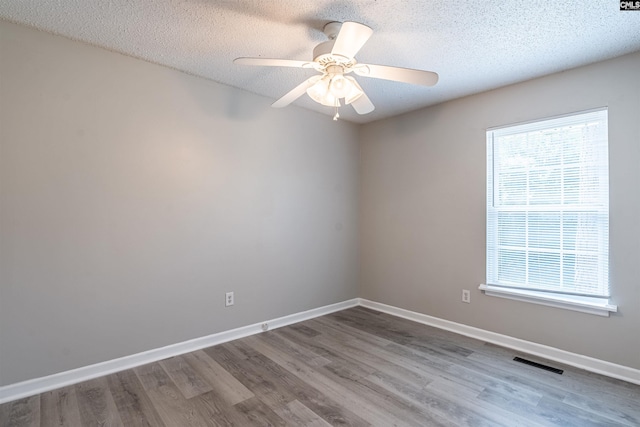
[{"x": 474, "y": 45}]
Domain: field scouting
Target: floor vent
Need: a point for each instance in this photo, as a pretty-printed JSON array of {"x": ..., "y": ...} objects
[{"x": 539, "y": 365}]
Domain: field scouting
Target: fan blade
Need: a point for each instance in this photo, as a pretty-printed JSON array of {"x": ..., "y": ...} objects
[
  {"x": 351, "y": 38},
  {"x": 363, "y": 104},
  {"x": 269, "y": 62},
  {"x": 406, "y": 75},
  {"x": 296, "y": 92}
]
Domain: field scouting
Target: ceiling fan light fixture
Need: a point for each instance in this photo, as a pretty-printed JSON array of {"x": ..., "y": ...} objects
[
  {"x": 333, "y": 87},
  {"x": 355, "y": 92},
  {"x": 321, "y": 93},
  {"x": 339, "y": 86}
]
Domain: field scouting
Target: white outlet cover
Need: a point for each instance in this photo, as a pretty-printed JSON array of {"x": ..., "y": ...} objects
[
  {"x": 228, "y": 299},
  {"x": 466, "y": 296}
]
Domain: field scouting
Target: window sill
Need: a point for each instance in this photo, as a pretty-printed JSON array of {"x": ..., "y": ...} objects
[{"x": 591, "y": 307}]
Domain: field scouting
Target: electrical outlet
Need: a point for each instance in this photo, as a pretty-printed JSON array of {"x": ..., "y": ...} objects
[
  {"x": 228, "y": 299},
  {"x": 466, "y": 296}
]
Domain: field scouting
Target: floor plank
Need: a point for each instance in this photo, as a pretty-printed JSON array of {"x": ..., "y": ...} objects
[
  {"x": 357, "y": 367},
  {"x": 96, "y": 404},
  {"x": 296, "y": 414},
  {"x": 188, "y": 381},
  {"x": 366, "y": 401},
  {"x": 222, "y": 382},
  {"x": 134, "y": 406},
  {"x": 257, "y": 412},
  {"x": 620, "y": 411},
  {"x": 173, "y": 408},
  {"x": 308, "y": 394},
  {"x": 251, "y": 375},
  {"x": 217, "y": 411},
  {"x": 22, "y": 412},
  {"x": 59, "y": 408}
]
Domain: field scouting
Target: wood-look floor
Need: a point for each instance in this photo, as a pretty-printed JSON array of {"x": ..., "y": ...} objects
[{"x": 356, "y": 367}]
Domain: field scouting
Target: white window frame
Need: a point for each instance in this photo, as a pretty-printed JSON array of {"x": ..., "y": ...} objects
[{"x": 591, "y": 305}]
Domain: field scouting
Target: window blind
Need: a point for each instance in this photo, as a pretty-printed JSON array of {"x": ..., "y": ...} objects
[{"x": 548, "y": 205}]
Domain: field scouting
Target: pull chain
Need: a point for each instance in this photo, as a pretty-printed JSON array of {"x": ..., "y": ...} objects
[{"x": 337, "y": 115}]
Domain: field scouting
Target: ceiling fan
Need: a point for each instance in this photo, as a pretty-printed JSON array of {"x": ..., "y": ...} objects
[{"x": 335, "y": 59}]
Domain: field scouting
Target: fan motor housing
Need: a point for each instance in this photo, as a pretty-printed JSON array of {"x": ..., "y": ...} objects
[{"x": 323, "y": 50}]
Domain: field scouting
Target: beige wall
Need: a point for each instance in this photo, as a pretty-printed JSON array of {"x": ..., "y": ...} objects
[
  {"x": 133, "y": 196},
  {"x": 423, "y": 179}
]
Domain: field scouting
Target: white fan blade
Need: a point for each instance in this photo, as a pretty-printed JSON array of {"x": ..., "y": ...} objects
[
  {"x": 269, "y": 62},
  {"x": 406, "y": 75},
  {"x": 296, "y": 92},
  {"x": 351, "y": 38},
  {"x": 363, "y": 104}
]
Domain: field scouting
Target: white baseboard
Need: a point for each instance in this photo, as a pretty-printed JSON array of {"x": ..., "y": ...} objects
[
  {"x": 587, "y": 363},
  {"x": 39, "y": 385}
]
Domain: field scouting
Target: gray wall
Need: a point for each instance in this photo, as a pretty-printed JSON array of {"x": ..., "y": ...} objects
[
  {"x": 423, "y": 215},
  {"x": 132, "y": 196}
]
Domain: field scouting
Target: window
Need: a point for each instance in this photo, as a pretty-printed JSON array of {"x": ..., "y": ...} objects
[{"x": 548, "y": 212}]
